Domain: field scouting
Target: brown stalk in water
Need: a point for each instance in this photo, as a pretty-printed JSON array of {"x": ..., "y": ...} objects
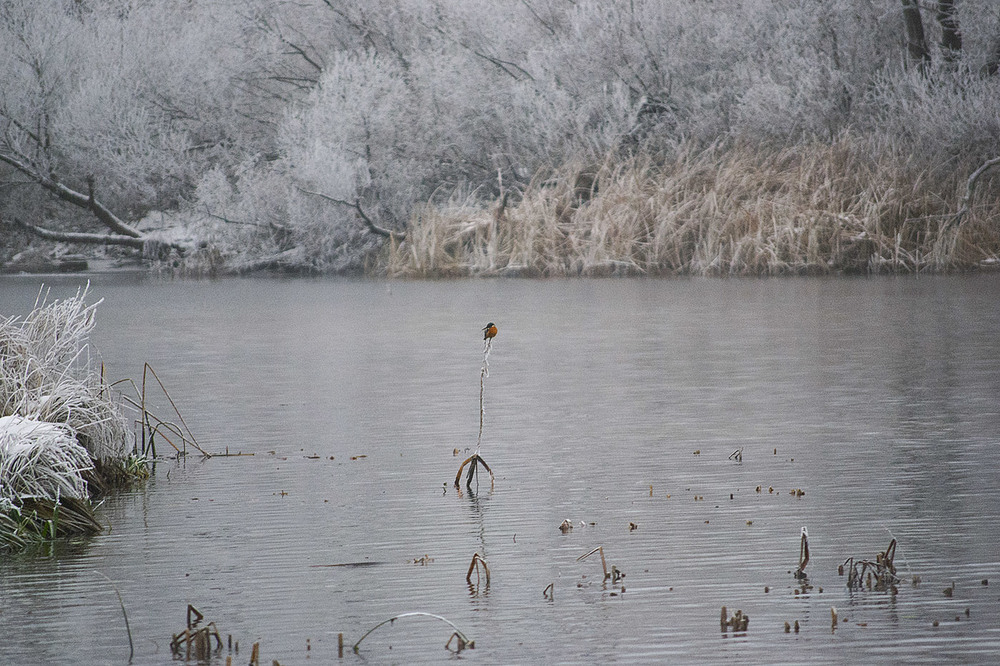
[
  {"x": 803, "y": 554},
  {"x": 604, "y": 563},
  {"x": 882, "y": 571},
  {"x": 477, "y": 561}
]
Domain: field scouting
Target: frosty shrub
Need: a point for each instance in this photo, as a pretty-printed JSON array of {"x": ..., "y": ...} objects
[
  {"x": 63, "y": 435},
  {"x": 45, "y": 376}
]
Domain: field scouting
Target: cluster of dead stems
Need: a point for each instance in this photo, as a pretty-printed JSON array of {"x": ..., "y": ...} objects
[{"x": 879, "y": 574}]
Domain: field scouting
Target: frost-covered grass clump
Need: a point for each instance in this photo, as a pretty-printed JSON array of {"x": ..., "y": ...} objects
[{"x": 64, "y": 438}]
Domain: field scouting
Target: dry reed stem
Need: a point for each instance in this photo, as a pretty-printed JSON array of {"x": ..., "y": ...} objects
[
  {"x": 883, "y": 568},
  {"x": 477, "y": 561},
  {"x": 457, "y": 632},
  {"x": 128, "y": 630},
  {"x": 604, "y": 563},
  {"x": 472, "y": 460}
]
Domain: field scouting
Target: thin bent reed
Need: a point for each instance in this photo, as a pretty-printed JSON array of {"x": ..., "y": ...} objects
[{"x": 413, "y": 614}]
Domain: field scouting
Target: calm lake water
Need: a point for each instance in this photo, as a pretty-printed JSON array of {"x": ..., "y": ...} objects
[{"x": 608, "y": 402}]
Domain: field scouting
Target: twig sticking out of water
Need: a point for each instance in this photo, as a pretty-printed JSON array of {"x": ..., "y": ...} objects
[
  {"x": 194, "y": 617},
  {"x": 472, "y": 461},
  {"x": 151, "y": 424},
  {"x": 475, "y": 459},
  {"x": 198, "y": 641},
  {"x": 483, "y": 374},
  {"x": 131, "y": 647},
  {"x": 463, "y": 641}
]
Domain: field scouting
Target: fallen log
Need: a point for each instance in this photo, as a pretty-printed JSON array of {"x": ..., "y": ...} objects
[{"x": 150, "y": 248}]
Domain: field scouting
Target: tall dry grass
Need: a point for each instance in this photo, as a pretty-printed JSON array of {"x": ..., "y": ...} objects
[{"x": 728, "y": 209}]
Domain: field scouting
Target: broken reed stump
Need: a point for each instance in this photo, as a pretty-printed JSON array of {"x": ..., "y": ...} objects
[
  {"x": 473, "y": 461},
  {"x": 803, "y": 554},
  {"x": 737, "y": 623},
  {"x": 604, "y": 562}
]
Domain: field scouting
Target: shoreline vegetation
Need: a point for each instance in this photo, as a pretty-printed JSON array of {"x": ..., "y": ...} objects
[
  {"x": 64, "y": 438},
  {"x": 724, "y": 210},
  {"x": 433, "y": 138}
]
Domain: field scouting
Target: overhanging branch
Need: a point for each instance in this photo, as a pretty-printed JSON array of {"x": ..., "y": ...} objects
[
  {"x": 372, "y": 227},
  {"x": 87, "y": 201}
]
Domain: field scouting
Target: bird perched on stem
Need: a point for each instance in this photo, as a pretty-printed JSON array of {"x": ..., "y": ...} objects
[{"x": 489, "y": 331}]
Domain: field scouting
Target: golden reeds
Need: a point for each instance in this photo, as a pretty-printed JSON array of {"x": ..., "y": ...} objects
[{"x": 728, "y": 209}]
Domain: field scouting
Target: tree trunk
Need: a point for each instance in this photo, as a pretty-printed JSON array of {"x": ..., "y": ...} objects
[
  {"x": 916, "y": 44},
  {"x": 951, "y": 37}
]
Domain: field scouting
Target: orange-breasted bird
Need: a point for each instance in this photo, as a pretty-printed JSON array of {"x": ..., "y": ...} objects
[{"x": 489, "y": 331}]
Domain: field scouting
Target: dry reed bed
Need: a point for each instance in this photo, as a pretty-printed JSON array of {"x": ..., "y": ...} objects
[
  {"x": 724, "y": 210},
  {"x": 63, "y": 437}
]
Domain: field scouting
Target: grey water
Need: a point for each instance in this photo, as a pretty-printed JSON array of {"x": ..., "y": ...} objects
[{"x": 610, "y": 403}]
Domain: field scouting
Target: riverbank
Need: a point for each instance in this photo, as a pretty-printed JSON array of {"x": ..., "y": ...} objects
[{"x": 849, "y": 206}]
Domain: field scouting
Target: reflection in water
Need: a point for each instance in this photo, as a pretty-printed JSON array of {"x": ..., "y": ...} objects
[{"x": 876, "y": 397}]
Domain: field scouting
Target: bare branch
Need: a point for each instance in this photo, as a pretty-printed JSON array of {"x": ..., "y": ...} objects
[
  {"x": 372, "y": 227},
  {"x": 512, "y": 69},
  {"x": 970, "y": 190},
  {"x": 87, "y": 201}
]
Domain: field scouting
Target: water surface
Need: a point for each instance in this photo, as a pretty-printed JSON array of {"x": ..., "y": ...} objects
[{"x": 608, "y": 402}]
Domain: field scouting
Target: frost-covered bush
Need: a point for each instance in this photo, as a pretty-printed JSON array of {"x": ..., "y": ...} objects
[
  {"x": 63, "y": 435},
  {"x": 45, "y": 375}
]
